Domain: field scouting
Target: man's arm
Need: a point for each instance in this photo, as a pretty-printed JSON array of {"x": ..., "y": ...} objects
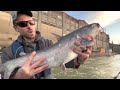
[
  {"x": 6, "y": 54},
  {"x": 82, "y": 56},
  {"x": 28, "y": 70}
]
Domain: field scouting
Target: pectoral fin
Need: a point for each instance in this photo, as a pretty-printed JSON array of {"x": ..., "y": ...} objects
[{"x": 63, "y": 68}]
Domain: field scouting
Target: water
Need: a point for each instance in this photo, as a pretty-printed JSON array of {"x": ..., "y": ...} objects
[{"x": 94, "y": 68}]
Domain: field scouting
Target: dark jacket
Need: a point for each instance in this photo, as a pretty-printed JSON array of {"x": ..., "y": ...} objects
[{"x": 7, "y": 54}]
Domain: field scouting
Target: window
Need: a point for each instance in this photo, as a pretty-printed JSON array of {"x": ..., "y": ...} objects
[
  {"x": 59, "y": 23},
  {"x": 72, "y": 22},
  {"x": 76, "y": 25},
  {"x": 35, "y": 19},
  {"x": 44, "y": 18},
  {"x": 45, "y": 12},
  {"x": 59, "y": 17},
  {"x": 53, "y": 14},
  {"x": 68, "y": 21},
  {"x": 52, "y": 21}
]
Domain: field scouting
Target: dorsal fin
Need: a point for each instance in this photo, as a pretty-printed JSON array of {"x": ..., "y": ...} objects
[{"x": 56, "y": 36}]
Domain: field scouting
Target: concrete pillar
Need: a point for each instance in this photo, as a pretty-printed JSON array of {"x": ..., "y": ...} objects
[{"x": 38, "y": 20}]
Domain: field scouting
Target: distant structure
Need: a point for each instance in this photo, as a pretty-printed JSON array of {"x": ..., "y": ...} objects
[{"x": 115, "y": 48}]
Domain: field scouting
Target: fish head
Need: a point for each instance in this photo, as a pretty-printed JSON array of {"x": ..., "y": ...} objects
[
  {"x": 90, "y": 29},
  {"x": 87, "y": 34}
]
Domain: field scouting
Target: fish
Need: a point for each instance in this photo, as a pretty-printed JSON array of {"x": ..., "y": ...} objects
[{"x": 59, "y": 53}]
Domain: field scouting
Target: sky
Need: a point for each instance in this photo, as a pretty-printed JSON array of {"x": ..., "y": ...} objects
[{"x": 109, "y": 20}]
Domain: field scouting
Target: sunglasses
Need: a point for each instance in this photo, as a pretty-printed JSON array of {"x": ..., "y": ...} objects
[{"x": 25, "y": 23}]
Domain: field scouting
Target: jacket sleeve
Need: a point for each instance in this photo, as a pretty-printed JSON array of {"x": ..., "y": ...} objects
[
  {"x": 48, "y": 43},
  {"x": 6, "y": 54}
]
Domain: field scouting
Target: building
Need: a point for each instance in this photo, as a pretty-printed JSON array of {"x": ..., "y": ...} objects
[
  {"x": 101, "y": 41},
  {"x": 115, "y": 48}
]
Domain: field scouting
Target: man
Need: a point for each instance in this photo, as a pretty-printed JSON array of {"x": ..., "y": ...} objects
[{"x": 29, "y": 41}]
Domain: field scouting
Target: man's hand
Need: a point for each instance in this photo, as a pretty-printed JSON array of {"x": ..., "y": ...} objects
[
  {"x": 28, "y": 70},
  {"x": 82, "y": 56}
]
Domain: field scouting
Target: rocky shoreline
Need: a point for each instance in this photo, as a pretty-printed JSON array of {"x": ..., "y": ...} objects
[{"x": 98, "y": 54}]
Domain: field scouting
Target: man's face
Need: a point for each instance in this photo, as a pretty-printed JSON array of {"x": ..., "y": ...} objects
[{"x": 25, "y": 25}]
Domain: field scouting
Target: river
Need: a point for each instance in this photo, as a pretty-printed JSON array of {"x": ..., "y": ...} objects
[{"x": 94, "y": 68}]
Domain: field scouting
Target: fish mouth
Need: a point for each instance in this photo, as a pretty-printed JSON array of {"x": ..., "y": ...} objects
[
  {"x": 96, "y": 29},
  {"x": 98, "y": 26}
]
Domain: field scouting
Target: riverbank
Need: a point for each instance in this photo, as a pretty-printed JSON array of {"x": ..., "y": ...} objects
[{"x": 98, "y": 54}]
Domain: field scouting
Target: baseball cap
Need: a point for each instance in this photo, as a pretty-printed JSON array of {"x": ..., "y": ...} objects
[{"x": 16, "y": 13}]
